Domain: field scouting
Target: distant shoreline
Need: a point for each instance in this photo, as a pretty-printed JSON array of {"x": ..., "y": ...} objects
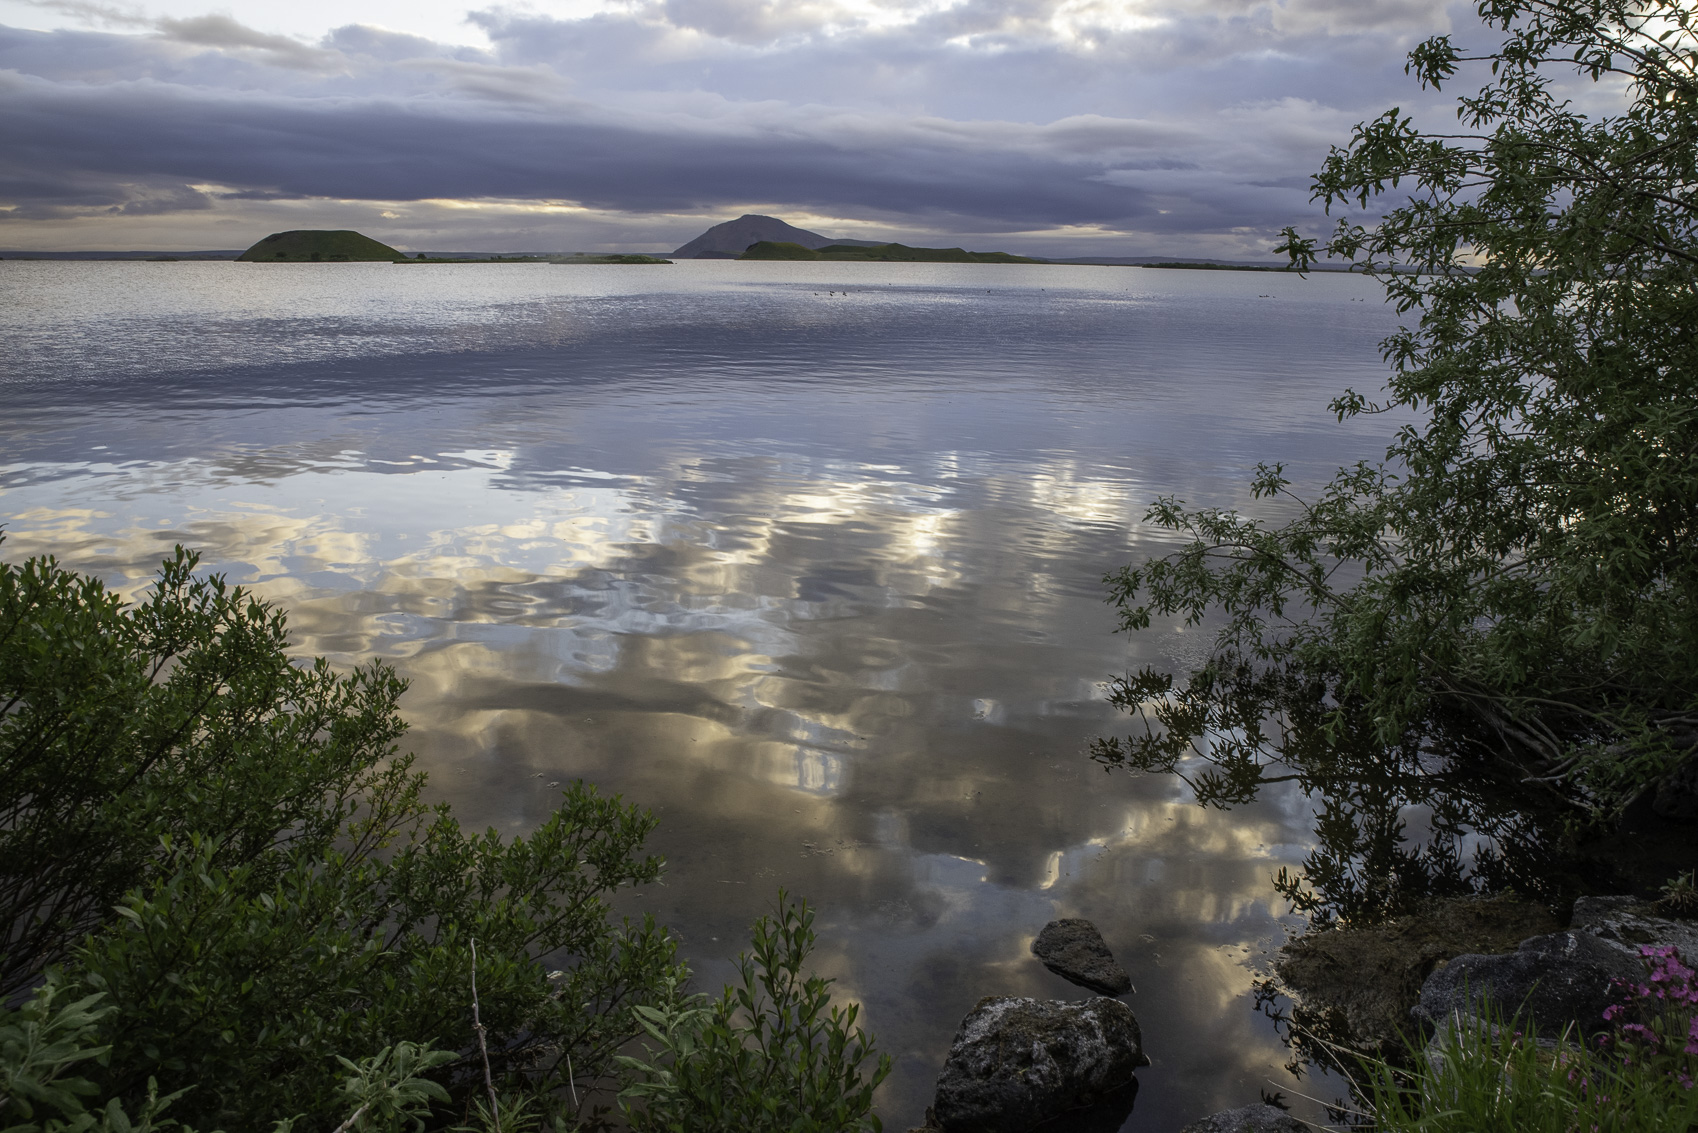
[{"x": 229, "y": 255}]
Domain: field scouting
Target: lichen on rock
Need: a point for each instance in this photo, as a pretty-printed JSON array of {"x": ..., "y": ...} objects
[{"x": 1019, "y": 1065}]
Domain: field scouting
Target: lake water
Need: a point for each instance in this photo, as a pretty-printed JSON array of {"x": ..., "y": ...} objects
[{"x": 806, "y": 558}]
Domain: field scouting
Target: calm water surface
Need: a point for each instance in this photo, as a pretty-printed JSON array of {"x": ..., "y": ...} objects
[{"x": 804, "y": 557}]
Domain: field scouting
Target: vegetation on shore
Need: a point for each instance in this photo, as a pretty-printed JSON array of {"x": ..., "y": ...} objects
[
  {"x": 879, "y": 253},
  {"x": 221, "y": 891},
  {"x": 1498, "y": 623},
  {"x": 1491, "y": 1073},
  {"x": 1512, "y": 593}
]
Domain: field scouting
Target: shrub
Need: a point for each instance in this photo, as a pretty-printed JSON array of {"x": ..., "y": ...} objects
[
  {"x": 222, "y": 882},
  {"x": 770, "y": 1054},
  {"x": 282, "y": 896},
  {"x": 121, "y": 728},
  {"x": 1523, "y": 560},
  {"x": 43, "y": 1040},
  {"x": 250, "y": 981}
]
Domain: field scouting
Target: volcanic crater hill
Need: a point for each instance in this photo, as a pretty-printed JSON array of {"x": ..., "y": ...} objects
[
  {"x": 310, "y": 245},
  {"x": 729, "y": 240}
]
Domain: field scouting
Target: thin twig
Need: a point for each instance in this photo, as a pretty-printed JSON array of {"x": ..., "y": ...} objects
[
  {"x": 483, "y": 1048},
  {"x": 349, "y": 1124},
  {"x": 570, "y": 1083}
]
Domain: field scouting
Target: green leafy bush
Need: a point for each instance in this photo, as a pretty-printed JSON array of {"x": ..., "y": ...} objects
[
  {"x": 43, "y": 1040},
  {"x": 220, "y": 879},
  {"x": 226, "y": 846},
  {"x": 1518, "y": 580},
  {"x": 121, "y": 728},
  {"x": 42, "y": 1044},
  {"x": 770, "y": 1055},
  {"x": 252, "y": 987}
]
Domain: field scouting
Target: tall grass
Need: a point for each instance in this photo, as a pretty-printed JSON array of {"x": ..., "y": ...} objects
[{"x": 1492, "y": 1076}]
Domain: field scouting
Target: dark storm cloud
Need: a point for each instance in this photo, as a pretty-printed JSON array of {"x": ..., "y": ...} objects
[
  {"x": 381, "y": 149},
  {"x": 991, "y": 115}
]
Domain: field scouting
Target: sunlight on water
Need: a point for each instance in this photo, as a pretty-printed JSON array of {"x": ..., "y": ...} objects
[{"x": 816, "y": 578}]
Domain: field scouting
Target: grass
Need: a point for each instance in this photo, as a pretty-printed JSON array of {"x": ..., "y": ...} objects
[{"x": 1488, "y": 1076}]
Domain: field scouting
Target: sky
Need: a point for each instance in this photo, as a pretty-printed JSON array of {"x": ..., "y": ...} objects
[{"x": 1051, "y": 127}]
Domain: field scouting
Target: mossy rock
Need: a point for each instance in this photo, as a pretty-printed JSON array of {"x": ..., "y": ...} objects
[
  {"x": 310, "y": 245},
  {"x": 1356, "y": 986}
]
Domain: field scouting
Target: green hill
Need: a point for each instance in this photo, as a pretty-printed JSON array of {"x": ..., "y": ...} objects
[
  {"x": 879, "y": 253},
  {"x": 607, "y": 258},
  {"x": 778, "y": 250},
  {"x": 309, "y": 245}
]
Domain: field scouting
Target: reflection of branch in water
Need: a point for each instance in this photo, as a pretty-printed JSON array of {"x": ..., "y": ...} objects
[{"x": 1236, "y": 727}]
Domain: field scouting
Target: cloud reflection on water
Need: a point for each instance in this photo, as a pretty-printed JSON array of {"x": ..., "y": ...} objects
[
  {"x": 844, "y": 637},
  {"x": 846, "y": 684}
]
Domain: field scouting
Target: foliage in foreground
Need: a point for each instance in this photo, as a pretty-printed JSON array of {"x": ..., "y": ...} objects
[
  {"x": 770, "y": 1055},
  {"x": 227, "y": 848},
  {"x": 43, "y": 1041},
  {"x": 220, "y": 879},
  {"x": 1488, "y": 1077},
  {"x": 125, "y": 730},
  {"x": 1517, "y": 583}
]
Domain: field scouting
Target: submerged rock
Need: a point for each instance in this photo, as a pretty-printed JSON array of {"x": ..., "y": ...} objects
[
  {"x": 1022, "y": 1065},
  {"x": 1248, "y": 1119},
  {"x": 1073, "y": 949}
]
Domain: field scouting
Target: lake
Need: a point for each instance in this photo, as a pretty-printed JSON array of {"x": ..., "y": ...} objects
[{"x": 804, "y": 557}]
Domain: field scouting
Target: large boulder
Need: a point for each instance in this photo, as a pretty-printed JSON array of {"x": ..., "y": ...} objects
[
  {"x": 1248, "y": 1119},
  {"x": 1355, "y": 987},
  {"x": 1629, "y": 924},
  {"x": 1020, "y": 1065},
  {"x": 1073, "y": 949},
  {"x": 1549, "y": 983}
]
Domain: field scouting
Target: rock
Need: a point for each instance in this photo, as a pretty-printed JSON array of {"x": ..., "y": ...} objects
[
  {"x": 1552, "y": 980},
  {"x": 1074, "y": 950},
  {"x": 1020, "y": 1065},
  {"x": 1355, "y": 987},
  {"x": 1248, "y": 1119},
  {"x": 1628, "y": 924}
]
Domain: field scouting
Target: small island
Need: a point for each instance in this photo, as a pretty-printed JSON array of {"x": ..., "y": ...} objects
[
  {"x": 307, "y": 245},
  {"x": 574, "y": 258},
  {"x": 345, "y": 246},
  {"x": 607, "y": 258},
  {"x": 879, "y": 253}
]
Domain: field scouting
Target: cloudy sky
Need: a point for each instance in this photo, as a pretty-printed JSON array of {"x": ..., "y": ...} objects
[{"x": 1106, "y": 127}]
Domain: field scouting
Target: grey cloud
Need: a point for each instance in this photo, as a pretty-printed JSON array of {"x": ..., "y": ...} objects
[
  {"x": 1208, "y": 122},
  {"x": 378, "y": 149},
  {"x": 144, "y": 200},
  {"x": 224, "y": 32},
  {"x": 393, "y": 47},
  {"x": 98, "y": 14}
]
